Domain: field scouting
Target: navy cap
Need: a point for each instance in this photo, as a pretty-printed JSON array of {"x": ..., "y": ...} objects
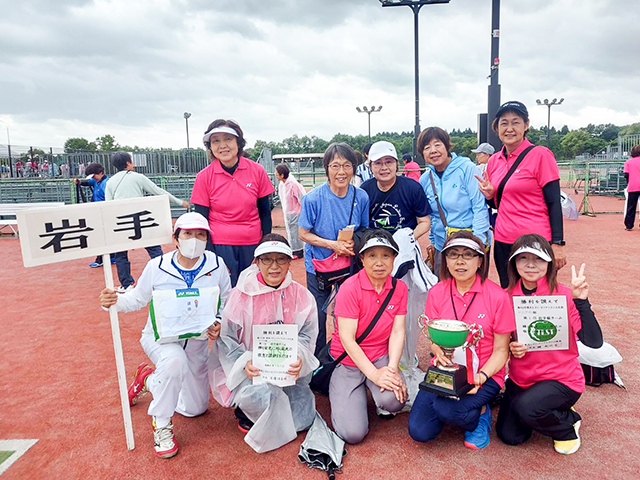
[{"x": 513, "y": 105}]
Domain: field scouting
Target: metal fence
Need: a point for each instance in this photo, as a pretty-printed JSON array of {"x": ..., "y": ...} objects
[
  {"x": 18, "y": 162},
  {"x": 602, "y": 178}
]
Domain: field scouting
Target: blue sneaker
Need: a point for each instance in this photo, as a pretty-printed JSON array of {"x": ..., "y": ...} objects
[
  {"x": 95, "y": 265},
  {"x": 479, "y": 438}
]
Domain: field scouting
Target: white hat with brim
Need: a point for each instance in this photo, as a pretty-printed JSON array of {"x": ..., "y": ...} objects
[
  {"x": 382, "y": 149},
  {"x": 378, "y": 242},
  {"x": 207, "y": 135},
  {"x": 466, "y": 243},
  {"x": 192, "y": 221},
  {"x": 274, "y": 246},
  {"x": 485, "y": 148},
  {"x": 536, "y": 249}
]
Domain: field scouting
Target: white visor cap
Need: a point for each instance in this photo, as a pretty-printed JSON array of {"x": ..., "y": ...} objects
[
  {"x": 465, "y": 242},
  {"x": 378, "y": 242},
  {"x": 273, "y": 247},
  {"x": 207, "y": 135},
  {"x": 536, "y": 249}
]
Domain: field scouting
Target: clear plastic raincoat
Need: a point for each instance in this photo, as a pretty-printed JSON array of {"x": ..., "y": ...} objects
[
  {"x": 278, "y": 413},
  {"x": 291, "y": 192}
]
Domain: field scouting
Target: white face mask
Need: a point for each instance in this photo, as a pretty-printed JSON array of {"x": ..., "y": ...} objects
[{"x": 192, "y": 247}]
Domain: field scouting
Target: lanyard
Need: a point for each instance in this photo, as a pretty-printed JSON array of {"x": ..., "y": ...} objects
[{"x": 454, "y": 305}]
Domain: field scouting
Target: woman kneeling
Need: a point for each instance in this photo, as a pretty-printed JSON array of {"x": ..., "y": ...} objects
[
  {"x": 265, "y": 294},
  {"x": 543, "y": 386},
  {"x": 374, "y": 361},
  {"x": 464, "y": 293}
]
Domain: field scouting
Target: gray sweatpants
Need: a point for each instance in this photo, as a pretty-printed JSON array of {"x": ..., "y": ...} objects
[{"x": 348, "y": 399}]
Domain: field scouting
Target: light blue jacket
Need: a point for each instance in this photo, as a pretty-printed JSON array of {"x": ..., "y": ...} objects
[{"x": 462, "y": 202}]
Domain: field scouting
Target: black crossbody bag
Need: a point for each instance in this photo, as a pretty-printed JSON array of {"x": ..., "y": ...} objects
[{"x": 322, "y": 375}]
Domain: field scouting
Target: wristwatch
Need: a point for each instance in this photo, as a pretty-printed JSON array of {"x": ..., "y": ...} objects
[{"x": 562, "y": 243}]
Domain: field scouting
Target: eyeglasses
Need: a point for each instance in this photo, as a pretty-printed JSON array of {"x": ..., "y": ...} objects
[
  {"x": 451, "y": 255},
  {"x": 347, "y": 167},
  {"x": 387, "y": 163},
  {"x": 268, "y": 261}
]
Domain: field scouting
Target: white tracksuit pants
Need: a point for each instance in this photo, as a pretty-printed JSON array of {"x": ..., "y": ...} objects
[{"x": 180, "y": 382}]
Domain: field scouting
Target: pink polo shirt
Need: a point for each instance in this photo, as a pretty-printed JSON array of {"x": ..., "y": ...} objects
[
  {"x": 522, "y": 207},
  {"x": 632, "y": 167},
  {"x": 560, "y": 365},
  {"x": 357, "y": 299},
  {"x": 485, "y": 304},
  {"x": 232, "y": 200}
]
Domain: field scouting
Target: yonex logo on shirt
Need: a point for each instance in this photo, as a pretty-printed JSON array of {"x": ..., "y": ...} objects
[
  {"x": 481, "y": 315},
  {"x": 248, "y": 185},
  {"x": 390, "y": 307}
]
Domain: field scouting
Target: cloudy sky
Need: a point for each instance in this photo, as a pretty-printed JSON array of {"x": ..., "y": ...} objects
[{"x": 131, "y": 68}]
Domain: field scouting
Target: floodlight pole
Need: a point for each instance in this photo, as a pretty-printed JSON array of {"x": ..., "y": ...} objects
[
  {"x": 415, "y": 6},
  {"x": 549, "y": 104},
  {"x": 369, "y": 112},
  {"x": 186, "y": 119},
  {"x": 494, "y": 85}
]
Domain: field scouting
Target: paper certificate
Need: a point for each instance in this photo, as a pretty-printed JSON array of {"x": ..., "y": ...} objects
[
  {"x": 183, "y": 313},
  {"x": 275, "y": 348},
  {"x": 542, "y": 323}
]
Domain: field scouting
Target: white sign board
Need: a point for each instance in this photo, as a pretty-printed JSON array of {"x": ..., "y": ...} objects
[
  {"x": 542, "y": 323},
  {"x": 275, "y": 348},
  {"x": 50, "y": 235}
]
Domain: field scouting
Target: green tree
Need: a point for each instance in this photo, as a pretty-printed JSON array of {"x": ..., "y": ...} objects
[
  {"x": 76, "y": 144},
  {"x": 633, "y": 129},
  {"x": 107, "y": 143}
]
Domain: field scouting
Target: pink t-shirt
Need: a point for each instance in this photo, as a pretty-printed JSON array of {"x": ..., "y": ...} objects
[
  {"x": 415, "y": 170},
  {"x": 358, "y": 299},
  {"x": 522, "y": 207},
  {"x": 485, "y": 304},
  {"x": 632, "y": 167},
  {"x": 232, "y": 200},
  {"x": 560, "y": 365}
]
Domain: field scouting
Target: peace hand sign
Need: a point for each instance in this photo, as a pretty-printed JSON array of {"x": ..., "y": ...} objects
[
  {"x": 485, "y": 186},
  {"x": 579, "y": 285}
]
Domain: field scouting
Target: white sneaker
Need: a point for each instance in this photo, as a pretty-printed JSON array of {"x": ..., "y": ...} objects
[
  {"x": 122, "y": 289},
  {"x": 382, "y": 413},
  {"x": 164, "y": 441}
]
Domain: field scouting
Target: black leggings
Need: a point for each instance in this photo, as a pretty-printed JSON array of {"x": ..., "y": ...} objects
[
  {"x": 544, "y": 407},
  {"x": 501, "y": 253},
  {"x": 632, "y": 205}
]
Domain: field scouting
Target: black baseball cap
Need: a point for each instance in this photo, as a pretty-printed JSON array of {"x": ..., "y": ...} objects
[{"x": 512, "y": 105}]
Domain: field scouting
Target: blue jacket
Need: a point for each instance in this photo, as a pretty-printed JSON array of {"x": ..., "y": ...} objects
[
  {"x": 98, "y": 188},
  {"x": 462, "y": 202}
]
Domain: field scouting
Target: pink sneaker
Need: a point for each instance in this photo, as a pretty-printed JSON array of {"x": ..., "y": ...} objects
[{"x": 139, "y": 387}]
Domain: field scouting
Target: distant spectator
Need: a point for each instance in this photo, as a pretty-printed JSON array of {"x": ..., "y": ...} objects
[
  {"x": 290, "y": 192},
  {"x": 97, "y": 180},
  {"x": 483, "y": 152},
  {"x": 129, "y": 184},
  {"x": 363, "y": 171},
  {"x": 632, "y": 174},
  {"x": 411, "y": 169}
]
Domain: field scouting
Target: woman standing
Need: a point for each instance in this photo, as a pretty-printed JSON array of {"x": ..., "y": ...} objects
[
  {"x": 325, "y": 211},
  {"x": 290, "y": 193},
  {"x": 373, "y": 363},
  {"x": 266, "y": 294},
  {"x": 543, "y": 386},
  {"x": 465, "y": 294},
  {"x": 233, "y": 193},
  {"x": 452, "y": 190},
  {"x": 523, "y": 182},
  {"x": 632, "y": 174}
]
